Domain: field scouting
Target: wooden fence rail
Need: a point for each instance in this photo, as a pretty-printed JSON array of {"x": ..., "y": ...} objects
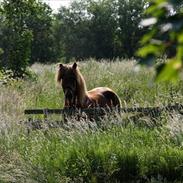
[
  {"x": 135, "y": 114},
  {"x": 144, "y": 110}
]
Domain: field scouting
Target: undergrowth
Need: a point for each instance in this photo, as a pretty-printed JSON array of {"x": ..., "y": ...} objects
[{"x": 111, "y": 150}]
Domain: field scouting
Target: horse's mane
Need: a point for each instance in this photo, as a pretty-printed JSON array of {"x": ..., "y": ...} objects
[
  {"x": 58, "y": 77},
  {"x": 81, "y": 89},
  {"x": 81, "y": 84}
]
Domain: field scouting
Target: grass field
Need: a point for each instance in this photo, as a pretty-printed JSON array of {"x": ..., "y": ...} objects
[{"x": 117, "y": 149}]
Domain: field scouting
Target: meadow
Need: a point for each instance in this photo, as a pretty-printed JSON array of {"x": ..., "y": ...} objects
[{"x": 114, "y": 149}]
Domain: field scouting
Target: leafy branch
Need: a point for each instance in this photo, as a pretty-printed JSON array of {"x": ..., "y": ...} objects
[{"x": 164, "y": 38}]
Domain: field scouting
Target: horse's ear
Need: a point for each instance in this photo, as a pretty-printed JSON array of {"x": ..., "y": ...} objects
[
  {"x": 74, "y": 66},
  {"x": 60, "y": 65}
]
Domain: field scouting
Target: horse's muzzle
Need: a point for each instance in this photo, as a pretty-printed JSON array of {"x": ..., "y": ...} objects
[{"x": 69, "y": 99}]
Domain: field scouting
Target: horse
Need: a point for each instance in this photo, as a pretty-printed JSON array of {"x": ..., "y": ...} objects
[{"x": 76, "y": 93}]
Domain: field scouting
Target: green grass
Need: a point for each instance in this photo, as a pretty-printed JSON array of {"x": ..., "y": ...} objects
[{"x": 112, "y": 150}]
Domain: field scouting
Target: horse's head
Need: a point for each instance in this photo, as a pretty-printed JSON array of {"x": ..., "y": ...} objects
[{"x": 67, "y": 76}]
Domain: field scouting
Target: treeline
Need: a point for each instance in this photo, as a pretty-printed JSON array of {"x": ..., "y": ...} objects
[
  {"x": 100, "y": 29},
  {"x": 30, "y": 32}
]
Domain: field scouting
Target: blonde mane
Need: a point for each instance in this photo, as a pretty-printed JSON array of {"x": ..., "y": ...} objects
[
  {"x": 81, "y": 89},
  {"x": 58, "y": 77}
]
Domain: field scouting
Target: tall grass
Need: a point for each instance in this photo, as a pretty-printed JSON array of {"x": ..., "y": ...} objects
[{"x": 111, "y": 150}]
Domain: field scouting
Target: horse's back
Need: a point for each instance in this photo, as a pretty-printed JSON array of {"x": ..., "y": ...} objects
[{"x": 107, "y": 95}]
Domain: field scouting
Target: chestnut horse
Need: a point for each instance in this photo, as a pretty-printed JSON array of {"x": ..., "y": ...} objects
[{"x": 75, "y": 91}]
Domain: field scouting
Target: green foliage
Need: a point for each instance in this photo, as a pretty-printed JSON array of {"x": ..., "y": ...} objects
[
  {"x": 1, "y": 51},
  {"x": 130, "y": 13},
  {"x": 103, "y": 26},
  {"x": 26, "y": 34},
  {"x": 165, "y": 37},
  {"x": 100, "y": 29},
  {"x": 16, "y": 39},
  {"x": 70, "y": 30},
  {"x": 39, "y": 21},
  {"x": 29, "y": 32}
]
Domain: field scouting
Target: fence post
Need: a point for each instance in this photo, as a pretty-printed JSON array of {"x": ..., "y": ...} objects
[{"x": 45, "y": 113}]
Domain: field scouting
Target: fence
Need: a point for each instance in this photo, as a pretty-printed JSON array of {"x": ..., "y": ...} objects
[{"x": 145, "y": 110}]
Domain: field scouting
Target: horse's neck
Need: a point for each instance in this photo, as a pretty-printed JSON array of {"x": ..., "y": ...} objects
[{"x": 82, "y": 94}]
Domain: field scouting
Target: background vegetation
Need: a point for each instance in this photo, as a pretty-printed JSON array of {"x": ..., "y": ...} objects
[
  {"x": 127, "y": 148},
  {"x": 117, "y": 149},
  {"x": 100, "y": 29},
  {"x": 30, "y": 32}
]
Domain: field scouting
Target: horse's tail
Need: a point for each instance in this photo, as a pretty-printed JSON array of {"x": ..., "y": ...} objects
[{"x": 116, "y": 102}]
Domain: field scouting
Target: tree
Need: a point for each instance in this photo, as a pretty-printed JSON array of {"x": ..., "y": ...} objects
[
  {"x": 100, "y": 29},
  {"x": 26, "y": 34},
  {"x": 72, "y": 34},
  {"x": 15, "y": 37},
  {"x": 130, "y": 13},
  {"x": 165, "y": 37},
  {"x": 39, "y": 21},
  {"x": 103, "y": 27}
]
